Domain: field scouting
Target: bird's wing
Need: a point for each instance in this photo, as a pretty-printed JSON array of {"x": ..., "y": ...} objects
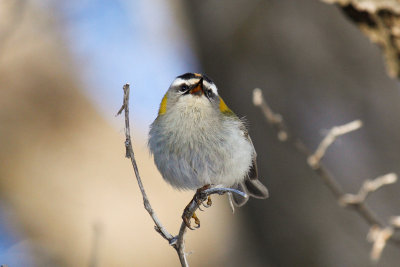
[{"x": 251, "y": 185}]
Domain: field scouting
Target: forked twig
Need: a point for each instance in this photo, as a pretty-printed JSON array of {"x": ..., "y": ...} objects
[
  {"x": 379, "y": 233},
  {"x": 368, "y": 187},
  {"x": 333, "y": 134},
  {"x": 178, "y": 242},
  {"x": 379, "y": 237}
]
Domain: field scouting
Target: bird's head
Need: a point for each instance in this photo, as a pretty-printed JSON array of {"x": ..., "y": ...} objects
[{"x": 193, "y": 89}]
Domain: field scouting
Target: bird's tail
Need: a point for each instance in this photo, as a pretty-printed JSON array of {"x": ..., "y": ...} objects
[{"x": 252, "y": 187}]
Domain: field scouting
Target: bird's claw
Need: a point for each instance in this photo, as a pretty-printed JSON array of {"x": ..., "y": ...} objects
[
  {"x": 199, "y": 199},
  {"x": 187, "y": 222},
  {"x": 209, "y": 201},
  {"x": 187, "y": 219},
  {"x": 196, "y": 220},
  {"x": 208, "y": 204}
]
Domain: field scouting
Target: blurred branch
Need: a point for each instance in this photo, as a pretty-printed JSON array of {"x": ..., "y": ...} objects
[
  {"x": 178, "y": 242},
  {"x": 367, "y": 188},
  {"x": 379, "y": 233},
  {"x": 380, "y": 22},
  {"x": 379, "y": 237},
  {"x": 333, "y": 134},
  {"x": 274, "y": 119}
]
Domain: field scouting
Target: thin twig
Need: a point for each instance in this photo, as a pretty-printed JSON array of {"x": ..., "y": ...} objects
[
  {"x": 276, "y": 120},
  {"x": 395, "y": 221},
  {"x": 379, "y": 237},
  {"x": 368, "y": 187},
  {"x": 130, "y": 154},
  {"x": 178, "y": 242},
  {"x": 191, "y": 208},
  {"x": 333, "y": 134}
]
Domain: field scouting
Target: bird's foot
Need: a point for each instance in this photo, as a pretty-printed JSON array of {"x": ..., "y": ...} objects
[
  {"x": 186, "y": 220},
  {"x": 199, "y": 198},
  {"x": 208, "y": 204}
]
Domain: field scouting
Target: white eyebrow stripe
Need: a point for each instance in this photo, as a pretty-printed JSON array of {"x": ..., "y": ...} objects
[
  {"x": 193, "y": 81},
  {"x": 179, "y": 82},
  {"x": 211, "y": 86}
]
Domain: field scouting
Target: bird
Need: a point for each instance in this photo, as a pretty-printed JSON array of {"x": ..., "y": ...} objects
[{"x": 198, "y": 142}]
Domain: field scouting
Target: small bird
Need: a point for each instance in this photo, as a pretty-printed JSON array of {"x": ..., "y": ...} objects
[{"x": 198, "y": 142}]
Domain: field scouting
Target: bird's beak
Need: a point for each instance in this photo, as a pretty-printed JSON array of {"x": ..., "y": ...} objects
[{"x": 198, "y": 88}]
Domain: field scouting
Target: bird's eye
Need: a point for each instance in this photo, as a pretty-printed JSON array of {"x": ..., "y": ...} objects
[
  {"x": 208, "y": 93},
  {"x": 183, "y": 88}
]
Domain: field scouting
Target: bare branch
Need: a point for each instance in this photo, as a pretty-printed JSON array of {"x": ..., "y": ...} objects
[
  {"x": 367, "y": 188},
  {"x": 379, "y": 237},
  {"x": 333, "y": 134},
  {"x": 379, "y": 233},
  {"x": 130, "y": 154},
  {"x": 395, "y": 221},
  {"x": 272, "y": 118},
  {"x": 191, "y": 208},
  {"x": 178, "y": 241}
]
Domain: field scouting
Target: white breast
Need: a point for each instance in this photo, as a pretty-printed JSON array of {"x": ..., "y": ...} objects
[{"x": 194, "y": 145}]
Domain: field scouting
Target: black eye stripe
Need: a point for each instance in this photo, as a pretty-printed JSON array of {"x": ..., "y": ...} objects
[
  {"x": 209, "y": 94},
  {"x": 183, "y": 88}
]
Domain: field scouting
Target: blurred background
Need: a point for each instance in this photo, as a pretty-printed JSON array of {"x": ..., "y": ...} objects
[{"x": 68, "y": 197}]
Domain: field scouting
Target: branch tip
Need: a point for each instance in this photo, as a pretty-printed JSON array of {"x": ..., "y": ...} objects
[
  {"x": 395, "y": 221},
  {"x": 367, "y": 187},
  {"x": 379, "y": 237},
  {"x": 257, "y": 97},
  {"x": 314, "y": 159}
]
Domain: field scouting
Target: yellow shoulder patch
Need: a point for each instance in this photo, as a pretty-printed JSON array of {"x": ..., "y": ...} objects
[
  {"x": 163, "y": 105},
  {"x": 223, "y": 107}
]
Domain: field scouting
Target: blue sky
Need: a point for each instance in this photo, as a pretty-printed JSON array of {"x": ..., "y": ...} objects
[{"x": 139, "y": 42}]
